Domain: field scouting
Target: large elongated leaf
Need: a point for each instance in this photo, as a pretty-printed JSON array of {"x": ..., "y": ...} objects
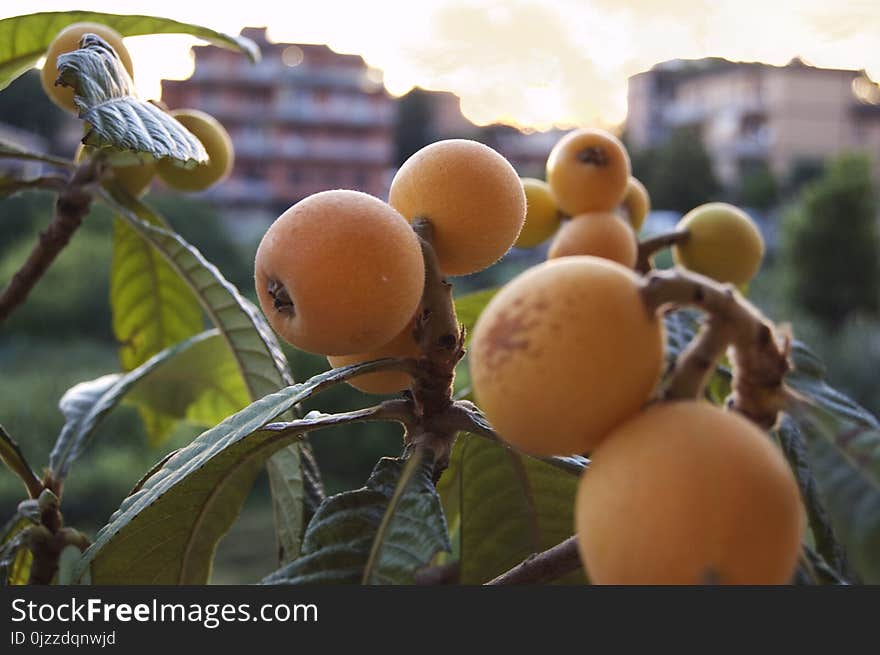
[
  {"x": 506, "y": 506},
  {"x": 167, "y": 530},
  {"x": 15, "y": 557},
  {"x": 846, "y": 461},
  {"x": 795, "y": 450},
  {"x": 201, "y": 384},
  {"x": 87, "y": 403},
  {"x": 24, "y": 39},
  {"x": 153, "y": 308},
  {"x": 843, "y": 448},
  {"x": 13, "y": 151},
  {"x": 396, "y": 517},
  {"x": 11, "y": 455},
  {"x": 117, "y": 119},
  {"x": 251, "y": 342}
]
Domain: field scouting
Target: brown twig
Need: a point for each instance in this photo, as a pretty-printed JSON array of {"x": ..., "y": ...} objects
[
  {"x": 71, "y": 206},
  {"x": 543, "y": 567},
  {"x": 441, "y": 341},
  {"x": 649, "y": 247},
  {"x": 759, "y": 354}
]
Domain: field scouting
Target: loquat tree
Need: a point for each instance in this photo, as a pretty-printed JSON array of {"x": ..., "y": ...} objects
[
  {"x": 831, "y": 245},
  {"x": 529, "y": 415}
]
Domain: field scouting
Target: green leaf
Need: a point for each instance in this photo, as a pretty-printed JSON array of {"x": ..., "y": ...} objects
[
  {"x": 413, "y": 528},
  {"x": 201, "y": 385},
  {"x": 251, "y": 341},
  {"x": 469, "y": 307},
  {"x": 807, "y": 377},
  {"x": 794, "y": 448},
  {"x": 153, "y": 308},
  {"x": 843, "y": 450},
  {"x": 13, "y": 151},
  {"x": 506, "y": 505},
  {"x": 24, "y": 39},
  {"x": 11, "y": 455},
  {"x": 845, "y": 458},
  {"x": 166, "y": 532},
  {"x": 15, "y": 557},
  {"x": 67, "y": 562},
  {"x": 87, "y": 403},
  {"x": 396, "y": 517},
  {"x": 117, "y": 119}
]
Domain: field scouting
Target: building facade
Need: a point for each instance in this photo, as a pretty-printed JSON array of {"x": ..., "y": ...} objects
[
  {"x": 752, "y": 113},
  {"x": 302, "y": 120}
]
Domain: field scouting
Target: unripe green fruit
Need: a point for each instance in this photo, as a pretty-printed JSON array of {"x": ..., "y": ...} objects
[
  {"x": 636, "y": 204},
  {"x": 67, "y": 40},
  {"x": 218, "y": 145},
  {"x": 134, "y": 179},
  {"x": 564, "y": 353},
  {"x": 472, "y": 196},
  {"x": 686, "y": 493},
  {"x": 542, "y": 216},
  {"x": 340, "y": 272},
  {"x": 723, "y": 243}
]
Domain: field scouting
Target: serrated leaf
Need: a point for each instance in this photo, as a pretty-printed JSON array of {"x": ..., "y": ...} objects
[
  {"x": 795, "y": 450},
  {"x": 254, "y": 347},
  {"x": 87, "y": 403},
  {"x": 24, "y": 39},
  {"x": 845, "y": 459},
  {"x": 345, "y": 529},
  {"x": 469, "y": 307},
  {"x": 105, "y": 97},
  {"x": 153, "y": 308},
  {"x": 507, "y": 506},
  {"x": 413, "y": 528},
  {"x": 807, "y": 377},
  {"x": 14, "y": 459},
  {"x": 843, "y": 448},
  {"x": 166, "y": 532}
]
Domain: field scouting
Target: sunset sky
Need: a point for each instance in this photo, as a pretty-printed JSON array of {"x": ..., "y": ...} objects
[{"x": 533, "y": 63}]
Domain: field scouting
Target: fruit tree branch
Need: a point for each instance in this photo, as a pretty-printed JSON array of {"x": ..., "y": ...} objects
[
  {"x": 759, "y": 352},
  {"x": 71, "y": 206},
  {"x": 649, "y": 247},
  {"x": 547, "y": 566}
]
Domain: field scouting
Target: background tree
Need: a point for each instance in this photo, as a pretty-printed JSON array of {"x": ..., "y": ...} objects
[
  {"x": 413, "y": 127},
  {"x": 830, "y": 244},
  {"x": 758, "y": 187},
  {"x": 678, "y": 174},
  {"x": 41, "y": 117}
]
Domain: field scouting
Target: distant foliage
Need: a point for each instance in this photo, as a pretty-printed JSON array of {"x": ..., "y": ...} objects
[
  {"x": 830, "y": 244},
  {"x": 678, "y": 174},
  {"x": 758, "y": 187}
]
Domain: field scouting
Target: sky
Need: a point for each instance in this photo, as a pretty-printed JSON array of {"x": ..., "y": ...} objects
[{"x": 531, "y": 63}]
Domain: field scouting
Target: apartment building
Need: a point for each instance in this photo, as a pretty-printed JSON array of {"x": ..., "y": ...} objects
[
  {"x": 302, "y": 120},
  {"x": 748, "y": 113}
]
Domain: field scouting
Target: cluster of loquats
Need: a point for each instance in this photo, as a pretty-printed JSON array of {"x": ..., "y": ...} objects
[
  {"x": 568, "y": 359},
  {"x": 136, "y": 177},
  {"x": 342, "y": 273}
]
